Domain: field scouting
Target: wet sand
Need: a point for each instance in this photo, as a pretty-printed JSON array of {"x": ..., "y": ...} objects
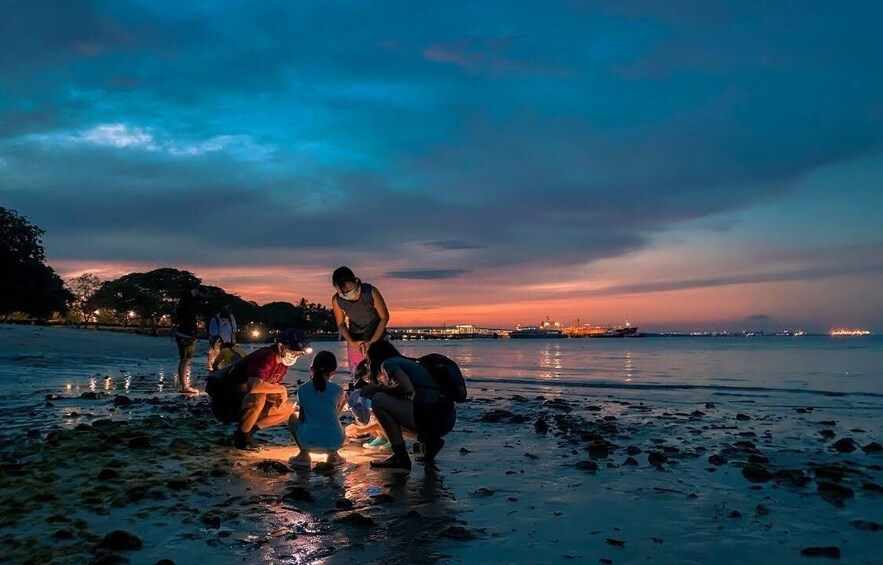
[{"x": 526, "y": 476}]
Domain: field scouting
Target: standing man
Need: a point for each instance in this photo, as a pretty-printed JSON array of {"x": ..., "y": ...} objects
[
  {"x": 223, "y": 324},
  {"x": 250, "y": 392},
  {"x": 360, "y": 314},
  {"x": 185, "y": 332}
]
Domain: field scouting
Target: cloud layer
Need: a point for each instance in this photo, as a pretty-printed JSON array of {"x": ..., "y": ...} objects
[{"x": 440, "y": 144}]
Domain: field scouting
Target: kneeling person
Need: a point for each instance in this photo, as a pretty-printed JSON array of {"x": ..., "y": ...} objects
[
  {"x": 251, "y": 392},
  {"x": 317, "y": 426}
]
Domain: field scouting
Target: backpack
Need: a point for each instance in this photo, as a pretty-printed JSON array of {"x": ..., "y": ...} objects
[{"x": 447, "y": 374}]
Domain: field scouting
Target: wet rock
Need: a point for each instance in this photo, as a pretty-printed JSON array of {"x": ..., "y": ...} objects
[
  {"x": 632, "y": 450},
  {"x": 717, "y": 459},
  {"x": 178, "y": 483},
  {"x": 845, "y": 445},
  {"x": 742, "y": 417},
  {"x": 827, "y": 434},
  {"x": 756, "y": 473},
  {"x": 598, "y": 449},
  {"x": 735, "y": 514},
  {"x": 829, "y": 472},
  {"x": 709, "y": 405},
  {"x": 107, "y": 474},
  {"x": 299, "y": 494},
  {"x": 139, "y": 442},
  {"x": 356, "y": 519},
  {"x": 827, "y": 423},
  {"x": 122, "y": 401},
  {"x": 103, "y": 423},
  {"x": 482, "y": 492},
  {"x": 517, "y": 398},
  {"x": 872, "y": 487},
  {"x": 558, "y": 404},
  {"x": 614, "y": 542},
  {"x": 697, "y": 414},
  {"x": 656, "y": 458},
  {"x": 89, "y": 395},
  {"x": 873, "y": 447},
  {"x": 464, "y": 450},
  {"x": 866, "y": 526},
  {"x": 271, "y": 467},
  {"x": 761, "y": 510},
  {"x": 120, "y": 540},
  {"x": 541, "y": 426},
  {"x": 589, "y": 466},
  {"x": 495, "y": 416},
  {"x": 605, "y": 561},
  {"x": 343, "y": 504},
  {"x": 791, "y": 477},
  {"x": 630, "y": 461},
  {"x": 33, "y": 432},
  {"x": 531, "y": 456},
  {"x": 831, "y": 552},
  {"x": 757, "y": 459},
  {"x": 63, "y": 534},
  {"x": 165, "y": 562},
  {"x": 83, "y": 428},
  {"x": 835, "y": 490},
  {"x": 458, "y": 533},
  {"x": 181, "y": 444},
  {"x": 211, "y": 520}
]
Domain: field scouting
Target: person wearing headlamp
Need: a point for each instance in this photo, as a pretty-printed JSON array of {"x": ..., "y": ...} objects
[{"x": 252, "y": 392}]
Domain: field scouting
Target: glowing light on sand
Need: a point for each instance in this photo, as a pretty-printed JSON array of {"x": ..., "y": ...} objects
[
  {"x": 69, "y": 386},
  {"x": 131, "y": 313},
  {"x": 849, "y": 332},
  {"x": 97, "y": 312},
  {"x": 255, "y": 333}
]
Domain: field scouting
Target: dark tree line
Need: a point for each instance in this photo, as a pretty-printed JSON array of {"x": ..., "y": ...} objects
[
  {"x": 27, "y": 284},
  {"x": 150, "y": 299},
  {"x": 31, "y": 288}
]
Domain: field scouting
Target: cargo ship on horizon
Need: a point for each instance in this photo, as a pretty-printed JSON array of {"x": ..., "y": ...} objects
[
  {"x": 548, "y": 329},
  {"x": 588, "y": 330}
]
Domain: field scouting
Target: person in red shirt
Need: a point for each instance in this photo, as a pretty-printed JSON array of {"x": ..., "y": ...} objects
[{"x": 251, "y": 392}]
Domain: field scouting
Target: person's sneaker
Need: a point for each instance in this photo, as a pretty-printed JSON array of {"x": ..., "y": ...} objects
[
  {"x": 242, "y": 440},
  {"x": 395, "y": 463},
  {"x": 379, "y": 442}
]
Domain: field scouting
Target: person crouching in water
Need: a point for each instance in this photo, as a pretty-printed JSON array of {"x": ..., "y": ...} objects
[
  {"x": 317, "y": 427},
  {"x": 360, "y": 408},
  {"x": 406, "y": 398},
  {"x": 250, "y": 392}
]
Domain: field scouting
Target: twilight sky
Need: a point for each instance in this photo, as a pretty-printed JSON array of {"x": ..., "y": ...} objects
[{"x": 682, "y": 164}]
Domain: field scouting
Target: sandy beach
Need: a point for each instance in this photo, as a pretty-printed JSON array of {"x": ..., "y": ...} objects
[{"x": 103, "y": 464}]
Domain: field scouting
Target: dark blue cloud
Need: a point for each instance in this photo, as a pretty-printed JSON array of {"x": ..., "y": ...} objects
[
  {"x": 427, "y": 274},
  {"x": 460, "y": 137}
]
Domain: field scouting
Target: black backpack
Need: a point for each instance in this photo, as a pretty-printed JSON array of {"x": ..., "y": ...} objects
[{"x": 447, "y": 374}]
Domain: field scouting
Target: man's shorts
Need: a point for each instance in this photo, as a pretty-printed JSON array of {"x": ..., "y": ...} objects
[{"x": 186, "y": 347}]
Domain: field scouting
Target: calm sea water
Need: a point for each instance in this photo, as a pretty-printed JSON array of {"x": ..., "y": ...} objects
[{"x": 44, "y": 361}]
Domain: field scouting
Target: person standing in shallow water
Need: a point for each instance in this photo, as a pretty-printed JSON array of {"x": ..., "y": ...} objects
[
  {"x": 186, "y": 322},
  {"x": 359, "y": 312}
]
